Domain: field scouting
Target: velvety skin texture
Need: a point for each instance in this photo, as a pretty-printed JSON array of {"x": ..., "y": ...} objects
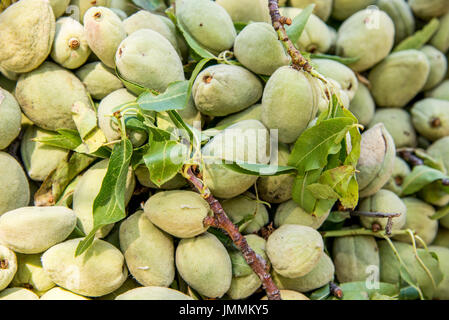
[
  {"x": 39, "y": 159},
  {"x": 343, "y": 9},
  {"x": 363, "y": 105},
  {"x": 441, "y": 38},
  {"x": 208, "y": 23},
  {"x": 398, "y": 123},
  {"x": 31, "y": 275},
  {"x": 153, "y": 293},
  {"x": 322, "y": 274},
  {"x": 7, "y": 273},
  {"x": 286, "y": 92},
  {"x": 10, "y": 118},
  {"x": 149, "y": 59},
  {"x": 376, "y": 160},
  {"x": 14, "y": 187},
  {"x": 223, "y": 89},
  {"x": 400, "y": 171},
  {"x": 70, "y": 48},
  {"x": 353, "y": 255},
  {"x": 247, "y": 10},
  {"x": 104, "y": 32},
  {"x": 383, "y": 201},
  {"x": 431, "y": 118},
  {"x": 28, "y": 30},
  {"x": 178, "y": 212},
  {"x": 418, "y": 219},
  {"x": 402, "y": 16},
  {"x": 438, "y": 66},
  {"x": 323, "y": 8},
  {"x": 258, "y": 48},
  {"x": 96, "y": 272},
  {"x": 35, "y": 229},
  {"x": 149, "y": 252},
  {"x": 390, "y": 80},
  {"x": 428, "y": 9},
  {"x": 316, "y": 36},
  {"x": 39, "y": 95},
  {"x": 294, "y": 250},
  {"x": 98, "y": 79},
  {"x": 205, "y": 265},
  {"x": 357, "y": 37}
]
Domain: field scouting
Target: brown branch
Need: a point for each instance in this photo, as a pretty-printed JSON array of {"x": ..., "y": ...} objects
[
  {"x": 374, "y": 214},
  {"x": 335, "y": 290},
  {"x": 278, "y": 21},
  {"x": 410, "y": 158},
  {"x": 220, "y": 220}
]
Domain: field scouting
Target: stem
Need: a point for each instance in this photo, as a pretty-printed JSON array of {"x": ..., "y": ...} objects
[
  {"x": 410, "y": 158},
  {"x": 374, "y": 214},
  {"x": 335, "y": 290},
  {"x": 221, "y": 220},
  {"x": 360, "y": 232},
  {"x": 278, "y": 21}
]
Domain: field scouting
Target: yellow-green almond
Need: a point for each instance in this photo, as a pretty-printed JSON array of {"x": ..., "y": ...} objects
[
  {"x": 14, "y": 186},
  {"x": 31, "y": 275},
  {"x": 96, "y": 272},
  {"x": 247, "y": 10},
  {"x": 39, "y": 94},
  {"x": 28, "y": 30},
  {"x": 35, "y": 229},
  {"x": 294, "y": 250},
  {"x": 98, "y": 79},
  {"x": 208, "y": 23},
  {"x": 153, "y": 293},
  {"x": 204, "y": 264},
  {"x": 367, "y": 35},
  {"x": 178, "y": 212},
  {"x": 290, "y": 212},
  {"x": 223, "y": 89},
  {"x": 8, "y": 266},
  {"x": 18, "y": 294},
  {"x": 258, "y": 48},
  {"x": 104, "y": 32},
  {"x": 149, "y": 252},
  {"x": 10, "y": 118},
  {"x": 38, "y": 158},
  {"x": 289, "y": 102},
  {"x": 149, "y": 59},
  {"x": 61, "y": 294},
  {"x": 70, "y": 48}
]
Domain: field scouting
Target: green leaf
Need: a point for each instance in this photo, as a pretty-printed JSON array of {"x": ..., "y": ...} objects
[
  {"x": 85, "y": 118},
  {"x": 173, "y": 98},
  {"x": 343, "y": 60},
  {"x": 301, "y": 194},
  {"x": 295, "y": 30},
  {"x": 321, "y": 293},
  {"x": 359, "y": 290},
  {"x": 338, "y": 216},
  {"x": 322, "y": 191},
  {"x": 350, "y": 198},
  {"x": 164, "y": 159},
  {"x": 440, "y": 213},
  {"x": 134, "y": 87},
  {"x": 66, "y": 139},
  {"x": 420, "y": 177},
  {"x": 316, "y": 143},
  {"x": 430, "y": 161},
  {"x": 199, "y": 66},
  {"x": 194, "y": 45},
  {"x": 420, "y": 38},
  {"x": 257, "y": 169},
  {"x": 109, "y": 205},
  {"x": 239, "y": 26},
  {"x": 56, "y": 182}
]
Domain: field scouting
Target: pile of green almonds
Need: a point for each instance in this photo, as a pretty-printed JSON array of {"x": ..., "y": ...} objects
[{"x": 56, "y": 55}]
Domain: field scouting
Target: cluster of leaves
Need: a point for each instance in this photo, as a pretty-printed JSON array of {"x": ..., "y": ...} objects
[{"x": 324, "y": 157}]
